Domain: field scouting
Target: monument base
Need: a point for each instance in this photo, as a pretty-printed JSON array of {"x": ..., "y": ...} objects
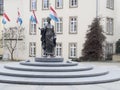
[
  {"x": 48, "y": 59},
  {"x": 55, "y": 71}
]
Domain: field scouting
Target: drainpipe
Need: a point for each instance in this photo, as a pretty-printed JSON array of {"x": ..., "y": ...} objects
[{"x": 96, "y": 8}]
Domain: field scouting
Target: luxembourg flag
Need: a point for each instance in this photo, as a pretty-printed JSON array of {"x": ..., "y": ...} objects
[
  {"x": 53, "y": 14},
  {"x": 33, "y": 18},
  {"x": 5, "y": 18},
  {"x": 19, "y": 19}
]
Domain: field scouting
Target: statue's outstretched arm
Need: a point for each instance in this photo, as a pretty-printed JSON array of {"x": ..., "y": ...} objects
[{"x": 41, "y": 29}]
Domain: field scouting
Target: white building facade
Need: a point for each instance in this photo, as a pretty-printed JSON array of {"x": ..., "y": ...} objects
[{"x": 74, "y": 18}]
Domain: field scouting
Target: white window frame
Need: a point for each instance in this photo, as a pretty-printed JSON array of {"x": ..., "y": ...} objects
[
  {"x": 33, "y": 5},
  {"x": 73, "y": 3},
  {"x": 110, "y": 26},
  {"x": 109, "y": 49},
  {"x": 59, "y": 26},
  {"x": 45, "y": 4},
  {"x": 59, "y": 4},
  {"x": 33, "y": 27},
  {"x": 58, "y": 50},
  {"x": 110, "y": 4},
  {"x": 32, "y": 49},
  {"x": 73, "y": 50},
  {"x": 73, "y": 25}
]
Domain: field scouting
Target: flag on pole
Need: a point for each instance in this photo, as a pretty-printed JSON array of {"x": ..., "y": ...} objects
[
  {"x": 5, "y": 18},
  {"x": 4, "y": 21},
  {"x": 19, "y": 19},
  {"x": 53, "y": 14},
  {"x": 34, "y": 18}
]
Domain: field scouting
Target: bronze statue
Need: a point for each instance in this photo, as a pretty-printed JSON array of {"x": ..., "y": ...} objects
[{"x": 48, "y": 38}]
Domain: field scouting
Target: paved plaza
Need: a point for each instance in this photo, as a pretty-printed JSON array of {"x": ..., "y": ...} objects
[{"x": 104, "y": 86}]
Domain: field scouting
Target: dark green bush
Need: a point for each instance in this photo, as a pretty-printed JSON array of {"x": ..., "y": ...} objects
[{"x": 118, "y": 47}]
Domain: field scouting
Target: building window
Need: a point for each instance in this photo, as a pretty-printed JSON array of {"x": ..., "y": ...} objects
[
  {"x": 110, "y": 4},
  {"x": 109, "y": 50},
  {"x": 73, "y": 3},
  {"x": 59, "y": 26},
  {"x": 59, "y": 3},
  {"x": 32, "y": 28},
  {"x": 1, "y": 7},
  {"x": 45, "y": 4},
  {"x": 44, "y": 22},
  {"x": 110, "y": 26},
  {"x": 32, "y": 48},
  {"x": 33, "y": 5},
  {"x": 72, "y": 50},
  {"x": 73, "y": 25},
  {"x": 58, "y": 50}
]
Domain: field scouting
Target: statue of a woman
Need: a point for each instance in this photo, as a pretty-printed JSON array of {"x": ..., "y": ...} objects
[{"x": 48, "y": 38}]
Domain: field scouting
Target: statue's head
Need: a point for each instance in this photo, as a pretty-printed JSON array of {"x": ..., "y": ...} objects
[{"x": 48, "y": 19}]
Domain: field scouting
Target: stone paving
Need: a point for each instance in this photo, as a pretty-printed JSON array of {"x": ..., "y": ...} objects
[{"x": 105, "y": 86}]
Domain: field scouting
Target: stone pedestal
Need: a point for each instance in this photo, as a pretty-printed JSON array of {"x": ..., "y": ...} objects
[{"x": 49, "y": 59}]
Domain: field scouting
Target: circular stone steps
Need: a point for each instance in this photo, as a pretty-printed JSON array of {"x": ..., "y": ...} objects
[
  {"x": 49, "y": 64},
  {"x": 57, "y": 72},
  {"x": 78, "y": 74},
  {"x": 48, "y": 69}
]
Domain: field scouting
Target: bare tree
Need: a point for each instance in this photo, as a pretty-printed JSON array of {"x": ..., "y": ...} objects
[{"x": 11, "y": 37}]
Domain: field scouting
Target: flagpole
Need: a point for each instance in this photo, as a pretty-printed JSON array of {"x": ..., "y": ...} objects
[
  {"x": 17, "y": 43},
  {"x": 19, "y": 22},
  {"x": 3, "y": 40},
  {"x": 5, "y": 16},
  {"x": 17, "y": 36}
]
